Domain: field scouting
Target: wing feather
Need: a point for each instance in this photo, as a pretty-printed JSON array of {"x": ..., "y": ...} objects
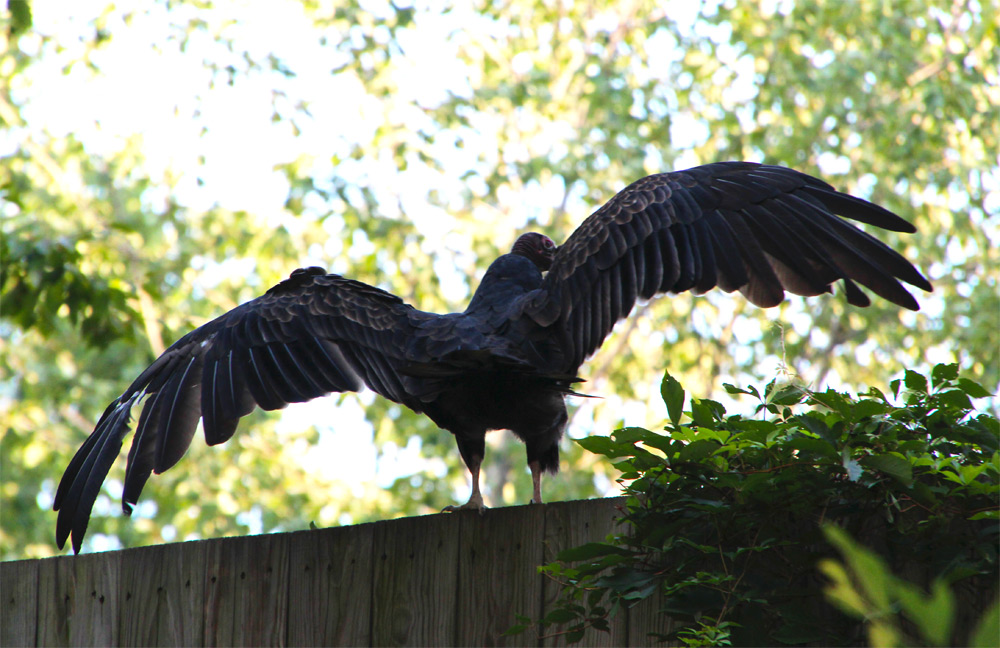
[
  {"x": 310, "y": 335},
  {"x": 706, "y": 273},
  {"x": 652, "y": 275},
  {"x": 731, "y": 271},
  {"x": 762, "y": 230}
]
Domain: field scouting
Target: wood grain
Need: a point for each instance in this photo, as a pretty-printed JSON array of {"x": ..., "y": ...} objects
[
  {"x": 330, "y": 586},
  {"x": 19, "y": 593},
  {"x": 246, "y": 591},
  {"x": 646, "y": 620},
  {"x": 78, "y": 600},
  {"x": 416, "y": 581},
  {"x": 163, "y": 595},
  {"x": 571, "y": 524},
  {"x": 498, "y": 563},
  {"x": 443, "y": 580}
]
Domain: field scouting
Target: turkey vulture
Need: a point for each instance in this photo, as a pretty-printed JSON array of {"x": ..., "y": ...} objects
[{"x": 509, "y": 360}]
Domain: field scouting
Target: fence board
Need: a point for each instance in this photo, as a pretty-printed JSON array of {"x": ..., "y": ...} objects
[
  {"x": 499, "y": 554},
  {"x": 415, "y": 581},
  {"x": 246, "y": 591},
  {"x": 163, "y": 595},
  {"x": 440, "y": 580},
  {"x": 330, "y": 587},
  {"x": 55, "y": 596},
  {"x": 19, "y": 619},
  {"x": 567, "y": 524},
  {"x": 458, "y": 579},
  {"x": 645, "y": 618},
  {"x": 78, "y": 600}
]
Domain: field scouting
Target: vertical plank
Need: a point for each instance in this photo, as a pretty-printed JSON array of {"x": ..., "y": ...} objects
[
  {"x": 645, "y": 617},
  {"x": 19, "y": 617},
  {"x": 246, "y": 591},
  {"x": 456, "y": 579},
  {"x": 78, "y": 600},
  {"x": 498, "y": 563},
  {"x": 54, "y": 601},
  {"x": 97, "y": 586},
  {"x": 330, "y": 587},
  {"x": 415, "y": 581},
  {"x": 571, "y": 524},
  {"x": 163, "y": 595}
]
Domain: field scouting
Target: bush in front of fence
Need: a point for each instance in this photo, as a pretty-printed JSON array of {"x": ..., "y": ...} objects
[{"x": 740, "y": 527}]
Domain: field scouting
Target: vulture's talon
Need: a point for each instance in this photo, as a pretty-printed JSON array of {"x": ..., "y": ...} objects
[{"x": 468, "y": 506}]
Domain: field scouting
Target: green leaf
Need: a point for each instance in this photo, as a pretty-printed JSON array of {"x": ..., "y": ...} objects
[
  {"x": 600, "y": 623},
  {"x": 873, "y": 593},
  {"x": 892, "y": 464},
  {"x": 985, "y": 635},
  {"x": 867, "y": 408},
  {"x": 813, "y": 423},
  {"x": 733, "y": 389},
  {"x": 955, "y": 398},
  {"x": 698, "y": 450},
  {"x": 875, "y": 392},
  {"x": 603, "y": 445},
  {"x": 706, "y": 413},
  {"x": 673, "y": 397},
  {"x": 832, "y": 400},
  {"x": 934, "y": 615},
  {"x": 973, "y": 389},
  {"x": 788, "y": 395},
  {"x": 815, "y": 446},
  {"x": 632, "y": 435},
  {"x": 590, "y": 551},
  {"x": 943, "y": 373},
  {"x": 915, "y": 382}
]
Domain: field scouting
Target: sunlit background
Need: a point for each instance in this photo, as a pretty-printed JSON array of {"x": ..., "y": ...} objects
[{"x": 192, "y": 155}]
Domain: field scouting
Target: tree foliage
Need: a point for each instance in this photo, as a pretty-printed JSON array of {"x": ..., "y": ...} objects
[
  {"x": 724, "y": 528},
  {"x": 211, "y": 148}
]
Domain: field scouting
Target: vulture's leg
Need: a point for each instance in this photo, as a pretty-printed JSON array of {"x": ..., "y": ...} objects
[
  {"x": 476, "y": 499},
  {"x": 472, "y": 452},
  {"x": 543, "y": 448},
  {"x": 536, "y": 481}
]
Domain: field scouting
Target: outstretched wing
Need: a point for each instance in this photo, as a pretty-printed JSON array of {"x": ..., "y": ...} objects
[
  {"x": 310, "y": 335},
  {"x": 742, "y": 226}
]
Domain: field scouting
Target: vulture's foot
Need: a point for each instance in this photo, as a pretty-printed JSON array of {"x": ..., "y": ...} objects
[{"x": 475, "y": 503}]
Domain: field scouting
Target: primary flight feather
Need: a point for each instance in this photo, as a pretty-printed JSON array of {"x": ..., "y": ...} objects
[{"x": 509, "y": 360}]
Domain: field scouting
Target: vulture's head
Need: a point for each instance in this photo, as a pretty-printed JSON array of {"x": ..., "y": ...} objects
[{"x": 537, "y": 247}]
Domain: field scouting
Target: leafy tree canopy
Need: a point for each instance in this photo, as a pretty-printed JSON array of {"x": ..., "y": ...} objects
[{"x": 164, "y": 163}]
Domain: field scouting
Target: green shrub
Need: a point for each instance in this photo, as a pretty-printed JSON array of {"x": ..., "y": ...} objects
[{"x": 725, "y": 514}]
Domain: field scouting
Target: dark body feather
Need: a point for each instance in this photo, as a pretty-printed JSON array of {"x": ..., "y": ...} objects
[{"x": 508, "y": 360}]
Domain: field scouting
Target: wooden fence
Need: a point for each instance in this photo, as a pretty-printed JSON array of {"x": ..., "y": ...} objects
[{"x": 456, "y": 579}]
